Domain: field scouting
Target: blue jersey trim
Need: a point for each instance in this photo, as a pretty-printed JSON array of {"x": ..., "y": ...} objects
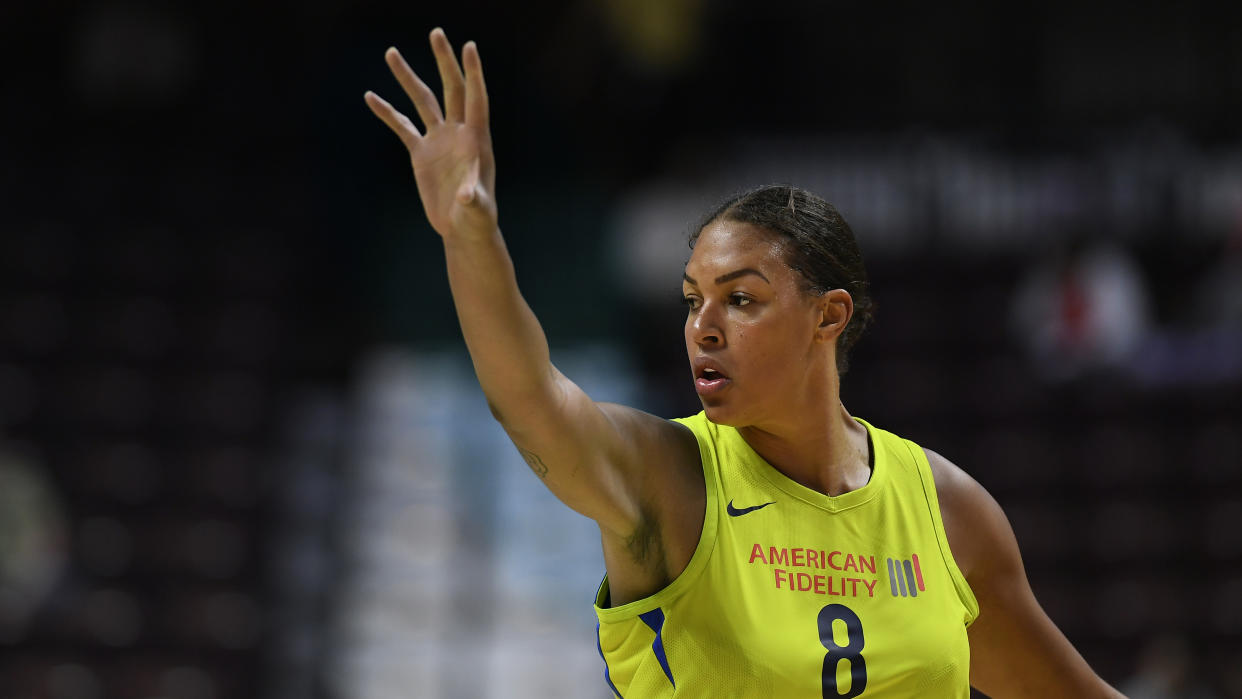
[
  {"x": 599, "y": 645},
  {"x": 655, "y": 620}
]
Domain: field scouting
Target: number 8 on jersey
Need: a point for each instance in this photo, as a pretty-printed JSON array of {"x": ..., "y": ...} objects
[{"x": 851, "y": 652}]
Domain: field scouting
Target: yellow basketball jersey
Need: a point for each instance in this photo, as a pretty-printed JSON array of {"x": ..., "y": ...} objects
[{"x": 793, "y": 593}]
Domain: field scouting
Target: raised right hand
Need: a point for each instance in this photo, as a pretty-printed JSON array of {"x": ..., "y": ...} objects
[
  {"x": 453, "y": 162},
  {"x": 595, "y": 457}
]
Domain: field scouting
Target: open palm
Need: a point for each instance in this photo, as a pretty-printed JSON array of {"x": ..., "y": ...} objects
[{"x": 453, "y": 162}]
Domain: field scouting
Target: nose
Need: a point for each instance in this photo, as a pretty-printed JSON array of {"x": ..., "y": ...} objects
[{"x": 703, "y": 327}]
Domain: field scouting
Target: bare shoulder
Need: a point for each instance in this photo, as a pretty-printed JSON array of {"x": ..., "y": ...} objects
[
  {"x": 646, "y": 422},
  {"x": 665, "y": 475},
  {"x": 1015, "y": 649},
  {"x": 663, "y": 466},
  {"x": 664, "y": 442},
  {"x": 979, "y": 534}
]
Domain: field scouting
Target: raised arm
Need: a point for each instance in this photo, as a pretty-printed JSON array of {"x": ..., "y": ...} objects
[
  {"x": 592, "y": 456},
  {"x": 1015, "y": 648}
]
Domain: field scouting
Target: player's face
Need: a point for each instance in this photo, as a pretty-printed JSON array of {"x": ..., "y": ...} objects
[{"x": 750, "y": 331}]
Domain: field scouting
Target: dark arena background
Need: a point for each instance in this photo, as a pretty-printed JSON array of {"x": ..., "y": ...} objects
[{"x": 241, "y": 450}]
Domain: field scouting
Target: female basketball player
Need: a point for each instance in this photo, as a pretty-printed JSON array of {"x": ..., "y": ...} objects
[{"x": 771, "y": 545}]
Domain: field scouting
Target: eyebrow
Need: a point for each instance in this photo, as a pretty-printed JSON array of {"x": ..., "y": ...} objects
[{"x": 730, "y": 276}]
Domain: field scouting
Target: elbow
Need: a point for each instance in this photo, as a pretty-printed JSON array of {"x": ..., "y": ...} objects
[
  {"x": 520, "y": 409},
  {"x": 524, "y": 406},
  {"x": 506, "y": 405}
]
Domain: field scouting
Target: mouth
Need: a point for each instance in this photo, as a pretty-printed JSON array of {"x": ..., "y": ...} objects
[{"x": 709, "y": 382}]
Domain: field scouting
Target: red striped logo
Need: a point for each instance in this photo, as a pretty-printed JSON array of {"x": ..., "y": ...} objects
[{"x": 905, "y": 577}]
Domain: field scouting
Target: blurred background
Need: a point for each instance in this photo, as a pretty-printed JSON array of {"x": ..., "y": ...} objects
[{"x": 242, "y": 453}]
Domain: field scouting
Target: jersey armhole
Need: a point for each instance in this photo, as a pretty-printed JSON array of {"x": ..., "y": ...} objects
[
  {"x": 702, "y": 551},
  {"x": 964, "y": 593}
]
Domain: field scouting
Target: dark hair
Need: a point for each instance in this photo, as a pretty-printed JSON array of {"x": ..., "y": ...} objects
[{"x": 823, "y": 248}]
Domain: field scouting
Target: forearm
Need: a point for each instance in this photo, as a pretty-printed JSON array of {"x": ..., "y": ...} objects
[
  {"x": 566, "y": 437},
  {"x": 506, "y": 342}
]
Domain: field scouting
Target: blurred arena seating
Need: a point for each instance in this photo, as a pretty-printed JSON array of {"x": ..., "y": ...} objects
[{"x": 140, "y": 374}]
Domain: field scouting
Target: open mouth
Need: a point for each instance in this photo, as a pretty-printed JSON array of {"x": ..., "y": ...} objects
[{"x": 710, "y": 381}]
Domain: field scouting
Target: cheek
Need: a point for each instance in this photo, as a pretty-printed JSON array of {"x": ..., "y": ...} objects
[
  {"x": 760, "y": 350},
  {"x": 771, "y": 349},
  {"x": 770, "y": 356}
]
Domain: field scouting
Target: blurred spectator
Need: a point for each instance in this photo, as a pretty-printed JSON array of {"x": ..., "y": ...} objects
[
  {"x": 1083, "y": 311},
  {"x": 1219, "y": 298},
  {"x": 1166, "y": 670},
  {"x": 32, "y": 543},
  {"x": 1206, "y": 347}
]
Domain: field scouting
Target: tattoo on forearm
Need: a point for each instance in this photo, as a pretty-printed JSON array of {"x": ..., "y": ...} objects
[{"x": 536, "y": 464}]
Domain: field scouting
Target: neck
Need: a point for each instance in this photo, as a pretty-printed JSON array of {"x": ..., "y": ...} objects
[{"x": 823, "y": 449}]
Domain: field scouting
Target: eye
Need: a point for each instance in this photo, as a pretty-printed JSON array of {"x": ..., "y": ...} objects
[
  {"x": 740, "y": 300},
  {"x": 691, "y": 302}
]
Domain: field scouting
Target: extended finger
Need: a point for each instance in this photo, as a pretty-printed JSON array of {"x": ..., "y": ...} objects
[
  {"x": 450, "y": 75},
  {"x": 423, "y": 98},
  {"x": 398, "y": 122},
  {"x": 476, "y": 90}
]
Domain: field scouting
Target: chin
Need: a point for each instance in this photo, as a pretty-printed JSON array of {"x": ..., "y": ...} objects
[{"x": 722, "y": 414}]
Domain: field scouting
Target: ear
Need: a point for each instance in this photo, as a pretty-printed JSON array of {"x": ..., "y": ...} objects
[{"x": 835, "y": 307}]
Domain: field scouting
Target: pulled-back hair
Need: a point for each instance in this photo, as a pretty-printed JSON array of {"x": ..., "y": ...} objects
[{"x": 822, "y": 247}]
